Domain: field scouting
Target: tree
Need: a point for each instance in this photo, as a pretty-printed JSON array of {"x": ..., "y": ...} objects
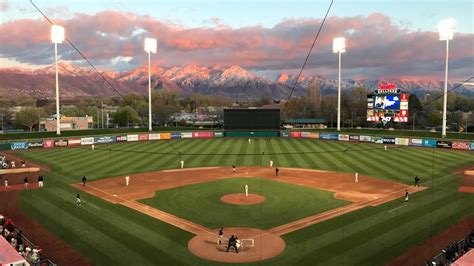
[
  {"x": 125, "y": 116},
  {"x": 29, "y": 117}
]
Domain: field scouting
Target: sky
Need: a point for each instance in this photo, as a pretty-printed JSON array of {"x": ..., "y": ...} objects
[{"x": 385, "y": 38}]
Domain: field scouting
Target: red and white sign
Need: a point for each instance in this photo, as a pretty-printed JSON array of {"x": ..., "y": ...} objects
[
  {"x": 343, "y": 137},
  {"x": 74, "y": 142},
  {"x": 295, "y": 134},
  {"x": 143, "y": 137},
  {"x": 388, "y": 86},
  {"x": 121, "y": 138},
  {"x": 460, "y": 145},
  {"x": 154, "y": 136},
  {"x": 48, "y": 143},
  {"x": 203, "y": 134},
  {"x": 404, "y": 97},
  {"x": 404, "y": 113}
]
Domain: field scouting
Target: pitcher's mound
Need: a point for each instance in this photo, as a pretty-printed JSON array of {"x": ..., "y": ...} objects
[
  {"x": 241, "y": 199},
  {"x": 257, "y": 245}
]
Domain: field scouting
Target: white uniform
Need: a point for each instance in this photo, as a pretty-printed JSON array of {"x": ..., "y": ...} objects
[
  {"x": 246, "y": 190},
  {"x": 356, "y": 178},
  {"x": 182, "y": 164},
  {"x": 13, "y": 164},
  {"x": 385, "y": 147},
  {"x": 250, "y": 141},
  {"x": 271, "y": 163},
  {"x": 6, "y": 183},
  {"x": 92, "y": 147},
  {"x": 127, "y": 180}
]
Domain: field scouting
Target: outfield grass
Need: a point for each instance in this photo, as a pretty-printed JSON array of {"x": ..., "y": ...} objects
[
  {"x": 110, "y": 234},
  {"x": 203, "y": 205}
]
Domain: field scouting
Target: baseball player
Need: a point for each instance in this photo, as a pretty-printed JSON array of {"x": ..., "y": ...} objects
[
  {"x": 182, "y": 164},
  {"x": 220, "y": 236},
  {"x": 13, "y": 164},
  {"x": 26, "y": 182},
  {"x": 271, "y": 163},
  {"x": 246, "y": 190},
  {"x": 92, "y": 147},
  {"x": 127, "y": 180},
  {"x": 234, "y": 169},
  {"x": 277, "y": 171},
  {"x": 78, "y": 199},
  {"x": 385, "y": 147},
  {"x": 6, "y": 183},
  {"x": 84, "y": 180},
  {"x": 406, "y": 196},
  {"x": 40, "y": 181},
  {"x": 356, "y": 177},
  {"x": 417, "y": 181},
  {"x": 250, "y": 141}
]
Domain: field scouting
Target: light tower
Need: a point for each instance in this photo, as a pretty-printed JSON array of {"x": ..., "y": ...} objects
[
  {"x": 57, "y": 36},
  {"x": 339, "y": 47},
  {"x": 446, "y": 32},
  {"x": 150, "y": 47}
]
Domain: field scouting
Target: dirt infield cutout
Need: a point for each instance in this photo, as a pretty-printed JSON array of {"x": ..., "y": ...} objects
[
  {"x": 242, "y": 199},
  {"x": 367, "y": 192}
]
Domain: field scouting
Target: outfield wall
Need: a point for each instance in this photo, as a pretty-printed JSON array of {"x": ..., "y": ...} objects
[{"x": 365, "y": 138}]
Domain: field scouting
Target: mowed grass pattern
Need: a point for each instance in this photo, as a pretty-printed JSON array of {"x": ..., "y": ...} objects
[
  {"x": 283, "y": 203},
  {"x": 112, "y": 234}
]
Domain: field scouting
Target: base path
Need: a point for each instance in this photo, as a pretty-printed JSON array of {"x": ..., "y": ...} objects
[{"x": 367, "y": 191}]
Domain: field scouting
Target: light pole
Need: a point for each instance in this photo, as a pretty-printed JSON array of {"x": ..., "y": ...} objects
[
  {"x": 57, "y": 36},
  {"x": 446, "y": 31},
  {"x": 150, "y": 47},
  {"x": 339, "y": 47}
]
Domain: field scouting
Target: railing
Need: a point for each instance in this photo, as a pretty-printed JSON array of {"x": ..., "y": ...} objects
[{"x": 454, "y": 251}]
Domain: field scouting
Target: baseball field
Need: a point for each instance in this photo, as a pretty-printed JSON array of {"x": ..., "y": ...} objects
[{"x": 313, "y": 207}]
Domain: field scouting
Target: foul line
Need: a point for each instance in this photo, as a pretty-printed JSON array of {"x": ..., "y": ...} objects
[{"x": 397, "y": 208}]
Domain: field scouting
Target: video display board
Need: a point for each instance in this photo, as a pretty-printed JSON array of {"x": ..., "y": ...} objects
[
  {"x": 387, "y": 104},
  {"x": 235, "y": 119}
]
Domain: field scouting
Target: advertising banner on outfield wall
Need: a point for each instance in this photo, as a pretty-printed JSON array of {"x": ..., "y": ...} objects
[
  {"x": 153, "y": 136},
  {"x": 176, "y": 135},
  {"x": 378, "y": 140},
  {"x": 365, "y": 138},
  {"x": 416, "y": 142},
  {"x": 18, "y": 145},
  {"x": 186, "y": 135},
  {"x": 74, "y": 142},
  {"x": 429, "y": 143},
  {"x": 306, "y": 135},
  {"x": 87, "y": 141},
  {"x": 334, "y": 136},
  {"x": 402, "y": 141},
  {"x": 284, "y": 134},
  {"x": 203, "y": 134},
  {"x": 388, "y": 140},
  {"x": 343, "y": 137},
  {"x": 104, "y": 139},
  {"x": 60, "y": 143},
  {"x": 472, "y": 146},
  {"x": 165, "y": 136},
  {"x": 314, "y": 135},
  {"x": 121, "y": 138},
  {"x": 218, "y": 134},
  {"x": 324, "y": 136},
  {"x": 143, "y": 137},
  {"x": 132, "y": 137},
  {"x": 460, "y": 145},
  {"x": 35, "y": 144},
  {"x": 295, "y": 134},
  {"x": 354, "y": 138},
  {"x": 444, "y": 144},
  {"x": 48, "y": 143}
]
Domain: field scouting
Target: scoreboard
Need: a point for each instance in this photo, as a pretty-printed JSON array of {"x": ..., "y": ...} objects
[{"x": 387, "y": 104}]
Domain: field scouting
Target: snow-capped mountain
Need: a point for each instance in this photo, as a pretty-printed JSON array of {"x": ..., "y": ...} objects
[{"x": 233, "y": 82}]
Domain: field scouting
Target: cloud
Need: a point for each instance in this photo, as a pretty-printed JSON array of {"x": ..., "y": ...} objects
[
  {"x": 375, "y": 45},
  {"x": 4, "y": 6}
]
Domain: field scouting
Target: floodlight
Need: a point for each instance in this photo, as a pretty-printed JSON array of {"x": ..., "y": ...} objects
[
  {"x": 57, "y": 34},
  {"x": 150, "y": 45},
  {"x": 339, "y": 45},
  {"x": 446, "y": 29}
]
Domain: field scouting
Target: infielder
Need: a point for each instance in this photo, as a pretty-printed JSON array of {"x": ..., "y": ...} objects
[
  {"x": 246, "y": 190},
  {"x": 182, "y": 164},
  {"x": 127, "y": 180},
  {"x": 406, "y": 196},
  {"x": 220, "y": 236},
  {"x": 356, "y": 177},
  {"x": 271, "y": 163},
  {"x": 6, "y": 183},
  {"x": 78, "y": 199},
  {"x": 234, "y": 169}
]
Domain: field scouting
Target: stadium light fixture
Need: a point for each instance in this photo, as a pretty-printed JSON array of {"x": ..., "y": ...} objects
[
  {"x": 150, "y": 47},
  {"x": 339, "y": 47},
  {"x": 57, "y": 36},
  {"x": 446, "y": 31}
]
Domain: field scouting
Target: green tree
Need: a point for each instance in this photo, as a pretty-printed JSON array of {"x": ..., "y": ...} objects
[
  {"x": 126, "y": 116},
  {"x": 29, "y": 117}
]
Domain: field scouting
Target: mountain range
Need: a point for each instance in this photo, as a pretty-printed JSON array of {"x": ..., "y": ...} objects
[{"x": 233, "y": 82}]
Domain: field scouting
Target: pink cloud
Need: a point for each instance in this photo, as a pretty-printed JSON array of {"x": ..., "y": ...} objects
[{"x": 375, "y": 45}]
